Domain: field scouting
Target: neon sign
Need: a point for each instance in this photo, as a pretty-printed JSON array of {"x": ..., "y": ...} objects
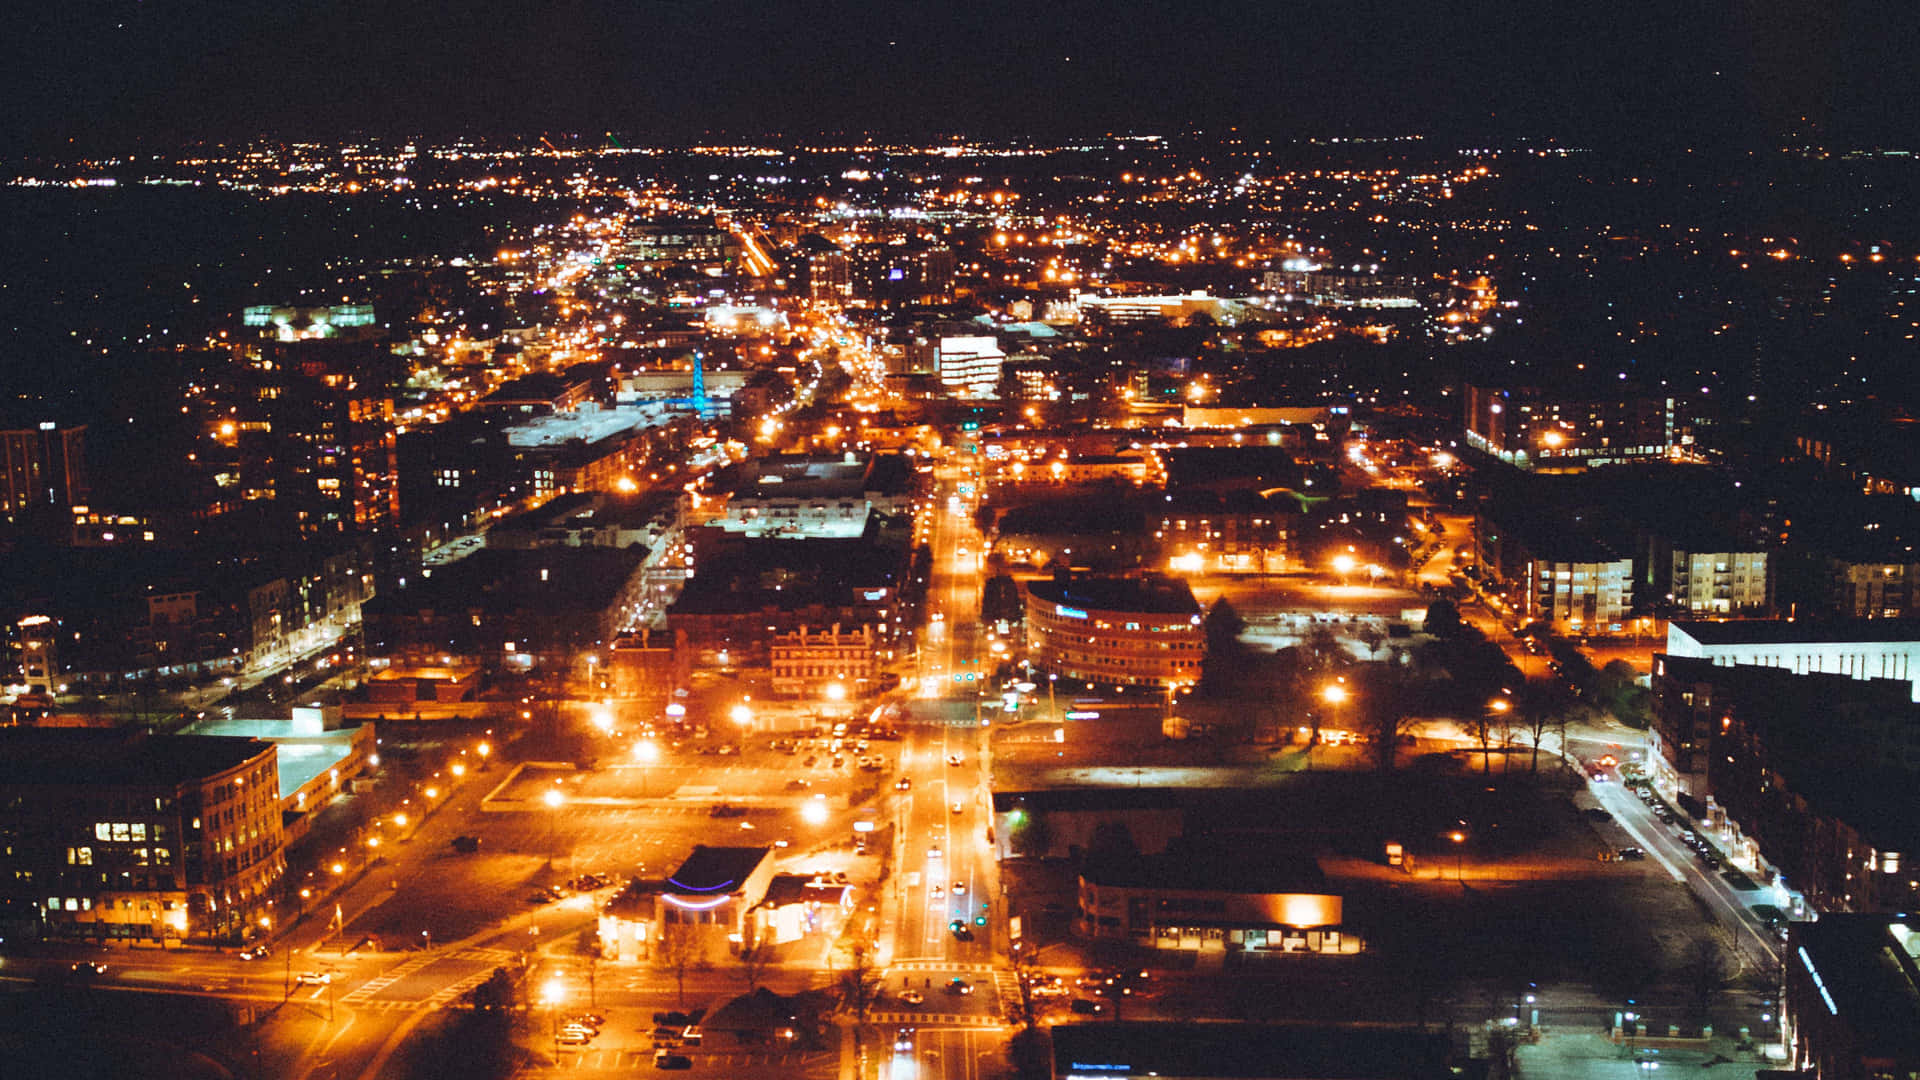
[{"x": 1069, "y": 612}]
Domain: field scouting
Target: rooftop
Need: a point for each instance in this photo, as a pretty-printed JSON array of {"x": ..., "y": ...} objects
[
  {"x": 1869, "y": 968},
  {"x": 96, "y": 757},
  {"x": 1780, "y": 632},
  {"x": 1209, "y": 869},
  {"x": 717, "y": 869},
  {"x": 1152, "y": 594},
  {"x": 1249, "y": 1051}
]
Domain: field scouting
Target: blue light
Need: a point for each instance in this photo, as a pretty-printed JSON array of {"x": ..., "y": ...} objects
[{"x": 1069, "y": 612}]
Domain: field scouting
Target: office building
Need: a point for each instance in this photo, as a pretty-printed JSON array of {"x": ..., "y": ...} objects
[
  {"x": 1140, "y": 631},
  {"x": 1858, "y": 649},
  {"x": 110, "y": 835},
  {"x": 42, "y": 466}
]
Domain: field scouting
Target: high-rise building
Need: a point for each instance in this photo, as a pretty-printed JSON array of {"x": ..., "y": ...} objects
[{"x": 42, "y": 466}]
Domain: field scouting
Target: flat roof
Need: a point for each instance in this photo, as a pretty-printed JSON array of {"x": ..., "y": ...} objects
[
  {"x": 1783, "y": 632},
  {"x": 1248, "y": 1051},
  {"x": 717, "y": 869},
  {"x": 105, "y": 757},
  {"x": 1222, "y": 869},
  {"x": 1153, "y": 594},
  {"x": 1067, "y": 800},
  {"x": 1870, "y": 975}
]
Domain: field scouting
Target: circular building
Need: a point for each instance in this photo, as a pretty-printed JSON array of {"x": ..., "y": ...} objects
[{"x": 1132, "y": 631}]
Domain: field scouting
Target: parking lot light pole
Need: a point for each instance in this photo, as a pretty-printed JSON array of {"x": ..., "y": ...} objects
[{"x": 553, "y": 798}]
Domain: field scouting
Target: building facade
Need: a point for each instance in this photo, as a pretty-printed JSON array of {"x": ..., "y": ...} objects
[
  {"x": 809, "y": 661},
  {"x": 105, "y": 835},
  {"x": 1141, "y": 631},
  {"x": 1213, "y": 905}
]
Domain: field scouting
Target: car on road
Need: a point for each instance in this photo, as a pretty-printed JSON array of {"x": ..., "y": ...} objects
[
  {"x": 956, "y": 808},
  {"x": 960, "y": 930},
  {"x": 1630, "y": 854},
  {"x": 799, "y": 785},
  {"x": 89, "y": 968},
  {"x": 959, "y": 888},
  {"x": 592, "y": 1020},
  {"x": 257, "y": 952},
  {"x": 540, "y": 898},
  {"x": 958, "y": 985},
  {"x": 904, "y": 784},
  {"x": 953, "y": 759},
  {"x": 1087, "y": 1007},
  {"x": 313, "y": 978},
  {"x": 933, "y": 852},
  {"x": 912, "y": 997},
  {"x": 936, "y": 893}
]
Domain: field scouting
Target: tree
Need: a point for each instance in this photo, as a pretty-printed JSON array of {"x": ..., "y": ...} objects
[
  {"x": 1000, "y": 599},
  {"x": 859, "y": 989},
  {"x": 1385, "y": 709},
  {"x": 1030, "y": 1052},
  {"x": 1372, "y": 636},
  {"x": 1443, "y": 618},
  {"x": 754, "y": 960},
  {"x": 1224, "y": 670},
  {"x": 1539, "y": 705},
  {"x": 1030, "y": 835},
  {"x": 682, "y": 948},
  {"x": 1705, "y": 972}
]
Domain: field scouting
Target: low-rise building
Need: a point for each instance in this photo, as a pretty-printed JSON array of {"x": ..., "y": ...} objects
[
  {"x": 1142, "y": 631},
  {"x": 1213, "y": 902},
  {"x": 809, "y": 660},
  {"x": 1137, "y": 1051}
]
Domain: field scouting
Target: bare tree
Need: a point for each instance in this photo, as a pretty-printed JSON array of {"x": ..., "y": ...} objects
[
  {"x": 859, "y": 987},
  {"x": 1541, "y": 704},
  {"x": 1372, "y": 636},
  {"x": 754, "y": 960},
  {"x": 682, "y": 948},
  {"x": 1705, "y": 972}
]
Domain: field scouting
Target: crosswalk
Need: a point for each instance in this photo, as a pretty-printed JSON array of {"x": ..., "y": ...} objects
[
  {"x": 932, "y": 1019},
  {"x": 363, "y": 995},
  {"x": 940, "y": 965}
]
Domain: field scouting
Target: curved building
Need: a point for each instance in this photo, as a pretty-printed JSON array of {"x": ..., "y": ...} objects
[{"x": 1136, "y": 631}]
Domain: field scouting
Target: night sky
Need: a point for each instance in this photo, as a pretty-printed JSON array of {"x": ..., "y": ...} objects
[{"x": 102, "y": 71}]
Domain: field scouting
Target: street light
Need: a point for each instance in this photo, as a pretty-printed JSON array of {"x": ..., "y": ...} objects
[
  {"x": 552, "y": 995},
  {"x": 554, "y": 797},
  {"x": 742, "y": 715},
  {"x": 1459, "y": 839},
  {"x": 646, "y": 752},
  {"x": 1343, "y": 565}
]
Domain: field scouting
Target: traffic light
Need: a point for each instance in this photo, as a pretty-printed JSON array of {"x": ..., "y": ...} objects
[{"x": 979, "y": 920}]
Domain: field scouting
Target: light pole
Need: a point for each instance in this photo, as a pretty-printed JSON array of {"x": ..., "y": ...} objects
[
  {"x": 1335, "y": 695},
  {"x": 552, "y": 994},
  {"x": 1459, "y": 839},
  {"x": 646, "y": 752},
  {"x": 554, "y": 797}
]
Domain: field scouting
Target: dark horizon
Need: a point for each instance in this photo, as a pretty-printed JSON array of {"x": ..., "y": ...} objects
[{"x": 103, "y": 75}]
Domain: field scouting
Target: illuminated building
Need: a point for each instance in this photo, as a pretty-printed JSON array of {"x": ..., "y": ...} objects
[
  {"x": 1856, "y": 648},
  {"x": 288, "y": 323},
  {"x": 969, "y": 366},
  {"x": 1141, "y": 631},
  {"x": 1212, "y": 903},
  {"x": 807, "y": 661},
  {"x": 1535, "y": 429},
  {"x": 42, "y": 466},
  {"x": 1812, "y": 771},
  {"x": 109, "y": 835},
  {"x": 713, "y": 894}
]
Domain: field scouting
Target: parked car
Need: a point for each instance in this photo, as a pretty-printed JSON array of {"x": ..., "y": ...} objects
[
  {"x": 665, "y": 1060},
  {"x": 1630, "y": 854},
  {"x": 313, "y": 978},
  {"x": 573, "y": 1037}
]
